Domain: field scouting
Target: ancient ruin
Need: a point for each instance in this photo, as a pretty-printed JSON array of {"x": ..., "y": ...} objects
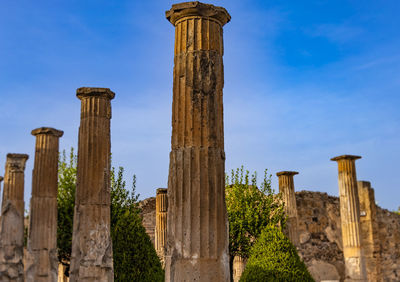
[
  {"x": 91, "y": 258},
  {"x": 197, "y": 244},
  {"x": 286, "y": 187},
  {"x": 369, "y": 230},
  {"x": 42, "y": 239},
  {"x": 12, "y": 219},
  {"x": 350, "y": 218},
  {"x": 161, "y": 222}
]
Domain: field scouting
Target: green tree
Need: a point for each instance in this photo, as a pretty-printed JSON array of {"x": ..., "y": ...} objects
[
  {"x": 65, "y": 205},
  {"x": 274, "y": 258},
  {"x": 250, "y": 209},
  {"x": 135, "y": 258}
]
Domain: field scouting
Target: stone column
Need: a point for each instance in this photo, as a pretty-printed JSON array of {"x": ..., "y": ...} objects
[
  {"x": 350, "y": 218},
  {"x": 161, "y": 222},
  {"x": 12, "y": 220},
  {"x": 369, "y": 231},
  {"x": 91, "y": 258},
  {"x": 197, "y": 244},
  {"x": 286, "y": 187},
  {"x": 42, "y": 239}
]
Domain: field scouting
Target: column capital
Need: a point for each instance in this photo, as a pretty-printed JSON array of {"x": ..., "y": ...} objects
[
  {"x": 84, "y": 92},
  {"x": 197, "y": 9},
  {"x": 345, "y": 157},
  {"x": 286, "y": 173},
  {"x": 161, "y": 191},
  {"x": 48, "y": 131},
  {"x": 17, "y": 161}
]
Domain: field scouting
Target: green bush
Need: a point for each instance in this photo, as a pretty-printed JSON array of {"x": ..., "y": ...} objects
[
  {"x": 135, "y": 258},
  {"x": 274, "y": 258}
]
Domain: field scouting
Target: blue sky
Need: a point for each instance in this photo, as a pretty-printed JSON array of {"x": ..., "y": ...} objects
[{"x": 304, "y": 81}]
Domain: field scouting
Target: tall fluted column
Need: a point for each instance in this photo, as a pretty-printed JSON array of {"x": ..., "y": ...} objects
[
  {"x": 42, "y": 240},
  {"x": 91, "y": 258},
  {"x": 161, "y": 222},
  {"x": 197, "y": 241},
  {"x": 369, "y": 231},
  {"x": 12, "y": 220},
  {"x": 286, "y": 187},
  {"x": 350, "y": 218}
]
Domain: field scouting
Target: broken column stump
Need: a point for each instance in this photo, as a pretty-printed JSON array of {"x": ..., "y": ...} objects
[
  {"x": 286, "y": 187},
  {"x": 197, "y": 241},
  {"x": 91, "y": 258},
  {"x": 350, "y": 218},
  {"x": 42, "y": 239},
  {"x": 12, "y": 220}
]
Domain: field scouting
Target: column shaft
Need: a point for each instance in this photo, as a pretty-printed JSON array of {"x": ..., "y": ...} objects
[
  {"x": 12, "y": 220},
  {"x": 369, "y": 231},
  {"x": 286, "y": 188},
  {"x": 91, "y": 258},
  {"x": 350, "y": 218},
  {"x": 197, "y": 219},
  {"x": 161, "y": 223},
  {"x": 42, "y": 239}
]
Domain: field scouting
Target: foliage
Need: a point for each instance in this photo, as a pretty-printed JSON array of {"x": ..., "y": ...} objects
[
  {"x": 250, "y": 209},
  {"x": 65, "y": 205},
  {"x": 135, "y": 258},
  {"x": 274, "y": 258}
]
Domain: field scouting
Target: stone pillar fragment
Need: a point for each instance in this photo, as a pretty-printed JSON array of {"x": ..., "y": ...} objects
[
  {"x": 197, "y": 241},
  {"x": 286, "y": 187},
  {"x": 91, "y": 258},
  {"x": 12, "y": 220},
  {"x": 239, "y": 264},
  {"x": 161, "y": 222},
  {"x": 42, "y": 239},
  {"x": 350, "y": 218},
  {"x": 369, "y": 231}
]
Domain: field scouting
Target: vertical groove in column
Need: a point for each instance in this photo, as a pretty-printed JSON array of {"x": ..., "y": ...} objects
[
  {"x": 12, "y": 219},
  {"x": 197, "y": 222},
  {"x": 91, "y": 258},
  {"x": 350, "y": 217}
]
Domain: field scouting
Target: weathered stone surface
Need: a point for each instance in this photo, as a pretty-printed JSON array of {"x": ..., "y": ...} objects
[
  {"x": 286, "y": 187},
  {"x": 42, "y": 240},
  {"x": 12, "y": 220},
  {"x": 369, "y": 231},
  {"x": 238, "y": 266},
  {"x": 91, "y": 258},
  {"x": 323, "y": 271},
  {"x": 161, "y": 223},
  {"x": 350, "y": 218},
  {"x": 319, "y": 222},
  {"x": 197, "y": 244},
  {"x": 148, "y": 212}
]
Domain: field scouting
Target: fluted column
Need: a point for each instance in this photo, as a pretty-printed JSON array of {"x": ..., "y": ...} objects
[
  {"x": 286, "y": 188},
  {"x": 12, "y": 220},
  {"x": 42, "y": 239},
  {"x": 161, "y": 222},
  {"x": 350, "y": 218},
  {"x": 369, "y": 231},
  {"x": 239, "y": 264},
  {"x": 91, "y": 258},
  {"x": 197, "y": 244}
]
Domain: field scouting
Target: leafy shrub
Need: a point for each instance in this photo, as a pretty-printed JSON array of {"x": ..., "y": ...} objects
[
  {"x": 250, "y": 210},
  {"x": 274, "y": 258}
]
